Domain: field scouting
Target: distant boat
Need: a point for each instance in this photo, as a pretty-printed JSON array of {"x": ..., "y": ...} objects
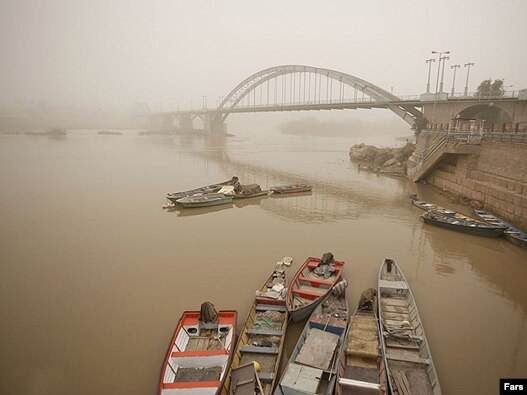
[
  {"x": 291, "y": 188},
  {"x": 199, "y": 354},
  {"x": 209, "y": 199},
  {"x": 405, "y": 349},
  {"x": 313, "y": 365},
  {"x": 261, "y": 340},
  {"x": 213, "y": 188},
  {"x": 362, "y": 368},
  {"x": 311, "y": 284},
  {"x": 512, "y": 234},
  {"x": 465, "y": 225}
]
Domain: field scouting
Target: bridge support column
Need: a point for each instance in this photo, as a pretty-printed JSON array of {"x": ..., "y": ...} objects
[
  {"x": 214, "y": 125},
  {"x": 185, "y": 123}
]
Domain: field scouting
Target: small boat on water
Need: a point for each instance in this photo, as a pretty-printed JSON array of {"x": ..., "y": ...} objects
[
  {"x": 465, "y": 224},
  {"x": 261, "y": 340},
  {"x": 313, "y": 366},
  {"x": 405, "y": 349},
  {"x": 312, "y": 282},
  {"x": 210, "y": 199},
  {"x": 362, "y": 369},
  {"x": 213, "y": 188},
  {"x": 431, "y": 206},
  {"x": 199, "y": 353},
  {"x": 512, "y": 234},
  {"x": 291, "y": 188}
]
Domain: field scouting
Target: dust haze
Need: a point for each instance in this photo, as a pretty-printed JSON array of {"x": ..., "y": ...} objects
[{"x": 87, "y": 63}]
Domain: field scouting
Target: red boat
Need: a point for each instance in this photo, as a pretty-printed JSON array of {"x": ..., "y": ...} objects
[
  {"x": 311, "y": 284},
  {"x": 199, "y": 354}
]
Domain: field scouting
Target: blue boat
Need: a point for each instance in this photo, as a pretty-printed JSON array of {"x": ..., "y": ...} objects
[
  {"x": 313, "y": 366},
  {"x": 512, "y": 234}
]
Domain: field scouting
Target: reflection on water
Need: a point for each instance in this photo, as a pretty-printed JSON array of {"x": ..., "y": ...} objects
[{"x": 93, "y": 268}]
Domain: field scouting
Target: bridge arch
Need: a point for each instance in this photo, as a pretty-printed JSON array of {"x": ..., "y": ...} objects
[
  {"x": 251, "y": 83},
  {"x": 493, "y": 112}
]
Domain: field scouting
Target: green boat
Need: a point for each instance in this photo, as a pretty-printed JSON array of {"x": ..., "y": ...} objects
[{"x": 210, "y": 199}]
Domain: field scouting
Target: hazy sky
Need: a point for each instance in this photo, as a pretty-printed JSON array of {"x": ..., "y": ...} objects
[{"x": 114, "y": 53}]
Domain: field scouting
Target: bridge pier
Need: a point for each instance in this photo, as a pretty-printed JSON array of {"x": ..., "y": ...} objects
[
  {"x": 214, "y": 124},
  {"x": 185, "y": 123}
]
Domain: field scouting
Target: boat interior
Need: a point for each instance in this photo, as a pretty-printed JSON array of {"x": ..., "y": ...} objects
[
  {"x": 409, "y": 361},
  {"x": 262, "y": 342},
  {"x": 310, "y": 286},
  {"x": 199, "y": 353}
]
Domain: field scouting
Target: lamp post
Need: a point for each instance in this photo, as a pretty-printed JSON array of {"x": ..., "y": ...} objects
[
  {"x": 439, "y": 66},
  {"x": 443, "y": 73},
  {"x": 468, "y": 73},
  {"x": 455, "y": 67},
  {"x": 429, "y": 61}
]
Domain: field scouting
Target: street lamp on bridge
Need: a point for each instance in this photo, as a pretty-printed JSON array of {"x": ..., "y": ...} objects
[
  {"x": 443, "y": 73},
  {"x": 429, "y": 61},
  {"x": 468, "y": 72},
  {"x": 439, "y": 66},
  {"x": 455, "y": 67}
]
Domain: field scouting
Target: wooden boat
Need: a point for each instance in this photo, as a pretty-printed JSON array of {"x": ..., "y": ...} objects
[
  {"x": 465, "y": 225},
  {"x": 405, "y": 349},
  {"x": 311, "y": 284},
  {"x": 210, "y": 199},
  {"x": 512, "y": 234},
  {"x": 291, "y": 188},
  {"x": 361, "y": 368},
  {"x": 431, "y": 206},
  {"x": 313, "y": 366},
  {"x": 213, "y": 188},
  {"x": 199, "y": 354},
  {"x": 261, "y": 340},
  {"x": 247, "y": 191}
]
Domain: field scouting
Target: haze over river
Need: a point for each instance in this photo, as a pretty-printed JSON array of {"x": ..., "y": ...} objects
[{"x": 94, "y": 274}]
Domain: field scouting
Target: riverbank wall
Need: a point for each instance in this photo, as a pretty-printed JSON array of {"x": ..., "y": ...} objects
[{"x": 493, "y": 173}]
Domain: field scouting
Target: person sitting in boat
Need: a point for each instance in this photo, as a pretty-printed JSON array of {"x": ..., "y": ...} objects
[
  {"x": 237, "y": 186},
  {"x": 367, "y": 298}
]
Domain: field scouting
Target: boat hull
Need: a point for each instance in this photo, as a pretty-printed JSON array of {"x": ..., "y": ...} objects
[
  {"x": 205, "y": 200},
  {"x": 291, "y": 188},
  {"x": 406, "y": 353},
  {"x": 308, "y": 289},
  {"x": 198, "y": 355},
  {"x": 261, "y": 340},
  {"x": 313, "y": 365},
  {"x": 512, "y": 234},
  {"x": 361, "y": 367},
  {"x": 213, "y": 188},
  {"x": 472, "y": 230}
]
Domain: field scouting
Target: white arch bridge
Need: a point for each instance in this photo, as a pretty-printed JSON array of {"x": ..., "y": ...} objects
[{"x": 299, "y": 88}]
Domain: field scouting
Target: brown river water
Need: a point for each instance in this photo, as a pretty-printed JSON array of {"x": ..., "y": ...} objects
[{"x": 94, "y": 274}]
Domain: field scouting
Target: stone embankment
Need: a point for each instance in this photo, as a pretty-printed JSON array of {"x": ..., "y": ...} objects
[{"x": 390, "y": 161}]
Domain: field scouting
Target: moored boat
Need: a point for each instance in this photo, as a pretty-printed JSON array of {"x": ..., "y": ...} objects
[
  {"x": 423, "y": 205},
  {"x": 213, "y": 188},
  {"x": 209, "y": 199},
  {"x": 291, "y": 188},
  {"x": 405, "y": 349},
  {"x": 311, "y": 284},
  {"x": 199, "y": 353},
  {"x": 261, "y": 340},
  {"x": 361, "y": 369},
  {"x": 313, "y": 365},
  {"x": 465, "y": 225},
  {"x": 512, "y": 234}
]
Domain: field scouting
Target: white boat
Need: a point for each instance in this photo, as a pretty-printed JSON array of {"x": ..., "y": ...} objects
[{"x": 406, "y": 352}]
